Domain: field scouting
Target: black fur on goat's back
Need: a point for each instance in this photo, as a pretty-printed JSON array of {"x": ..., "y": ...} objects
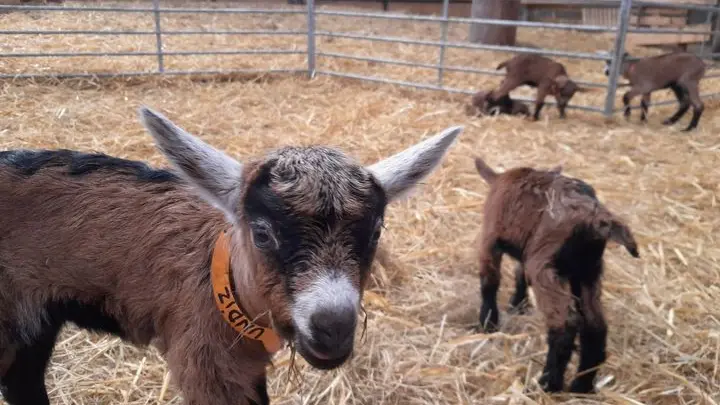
[{"x": 29, "y": 162}]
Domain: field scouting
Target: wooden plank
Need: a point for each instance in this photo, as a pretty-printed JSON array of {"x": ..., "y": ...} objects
[
  {"x": 638, "y": 39},
  {"x": 658, "y": 21}
]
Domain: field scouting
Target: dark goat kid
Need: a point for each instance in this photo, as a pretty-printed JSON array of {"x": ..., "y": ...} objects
[
  {"x": 680, "y": 72},
  {"x": 556, "y": 228},
  {"x": 482, "y": 104},
  {"x": 116, "y": 246},
  {"x": 548, "y": 76}
]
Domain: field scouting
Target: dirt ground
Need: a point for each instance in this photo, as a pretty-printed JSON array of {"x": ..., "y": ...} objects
[{"x": 664, "y": 339}]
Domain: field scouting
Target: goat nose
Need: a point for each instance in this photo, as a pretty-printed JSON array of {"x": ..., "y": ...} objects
[{"x": 333, "y": 332}]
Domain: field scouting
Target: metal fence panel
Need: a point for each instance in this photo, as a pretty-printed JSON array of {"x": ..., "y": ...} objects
[{"x": 312, "y": 51}]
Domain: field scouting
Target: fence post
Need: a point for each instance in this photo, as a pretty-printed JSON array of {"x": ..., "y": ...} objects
[
  {"x": 158, "y": 36},
  {"x": 311, "y": 54},
  {"x": 617, "y": 57},
  {"x": 444, "y": 37}
]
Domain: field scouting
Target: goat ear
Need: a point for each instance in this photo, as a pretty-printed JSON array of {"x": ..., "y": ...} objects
[
  {"x": 213, "y": 174},
  {"x": 620, "y": 233},
  {"x": 400, "y": 173}
]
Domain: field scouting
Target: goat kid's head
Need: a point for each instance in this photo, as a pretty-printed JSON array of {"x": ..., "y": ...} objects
[
  {"x": 608, "y": 63},
  {"x": 312, "y": 217},
  {"x": 564, "y": 89}
]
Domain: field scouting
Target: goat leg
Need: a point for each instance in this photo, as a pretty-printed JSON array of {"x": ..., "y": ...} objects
[
  {"x": 697, "y": 104},
  {"x": 684, "y": 104},
  {"x": 24, "y": 381},
  {"x": 627, "y": 98},
  {"x": 490, "y": 260},
  {"x": 261, "y": 392},
  {"x": 542, "y": 91},
  {"x": 644, "y": 105},
  {"x": 519, "y": 302},
  {"x": 555, "y": 301},
  {"x": 593, "y": 336}
]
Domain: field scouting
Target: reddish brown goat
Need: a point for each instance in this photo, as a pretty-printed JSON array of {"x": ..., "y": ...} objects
[
  {"x": 556, "y": 228},
  {"x": 482, "y": 104},
  {"x": 548, "y": 76},
  {"x": 116, "y": 246},
  {"x": 680, "y": 72}
]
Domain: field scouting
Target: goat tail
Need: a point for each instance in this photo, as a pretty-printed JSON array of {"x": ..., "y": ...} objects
[
  {"x": 617, "y": 231},
  {"x": 486, "y": 172},
  {"x": 502, "y": 65}
]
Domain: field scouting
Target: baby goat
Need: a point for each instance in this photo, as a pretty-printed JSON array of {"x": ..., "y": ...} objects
[
  {"x": 548, "y": 76},
  {"x": 192, "y": 260},
  {"x": 681, "y": 72},
  {"x": 482, "y": 104},
  {"x": 556, "y": 228}
]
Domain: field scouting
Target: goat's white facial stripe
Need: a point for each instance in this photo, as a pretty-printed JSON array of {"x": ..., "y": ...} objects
[{"x": 329, "y": 292}]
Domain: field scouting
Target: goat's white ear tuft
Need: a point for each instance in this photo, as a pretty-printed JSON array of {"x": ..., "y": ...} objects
[
  {"x": 401, "y": 172},
  {"x": 214, "y": 175}
]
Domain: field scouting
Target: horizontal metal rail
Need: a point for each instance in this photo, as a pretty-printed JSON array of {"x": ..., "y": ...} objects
[
  {"x": 668, "y": 31},
  {"x": 668, "y": 102},
  {"x": 196, "y": 32},
  {"x": 438, "y": 88},
  {"x": 148, "y": 73},
  {"x": 516, "y": 49},
  {"x": 512, "y": 23},
  {"x": 461, "y": 69},
  {"x": 168, "y": 53},
  {"x": 640, "y": 3},
  {"x": 177, "y": 10}
]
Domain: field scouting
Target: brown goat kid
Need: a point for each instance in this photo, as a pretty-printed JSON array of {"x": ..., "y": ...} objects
[
  {"x": 680, "y": 72},
  {"x": 115, "y": 246},
  {"x": 556, "y": 228},
  {"x": 482, "y": 104},
  {"x": 548, "y": 76}
]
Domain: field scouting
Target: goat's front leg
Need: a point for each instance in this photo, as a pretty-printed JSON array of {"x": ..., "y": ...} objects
[
  {"x": 490, "y": 260},
  {"x": 627, "y": 99},
  {"x": 543, "y": 90},
  {"x": 555, "y": 301},
  {"x": 644, "y": 106},
  {"x": 593, "y": 336}
]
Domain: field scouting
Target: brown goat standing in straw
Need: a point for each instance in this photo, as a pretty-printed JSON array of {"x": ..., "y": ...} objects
[
  {"x": 116, "y": 246},
  {"x": 556, "y": 228},
  {"x": 548, "y": 76},
  {"x": 681, "y": 72}
]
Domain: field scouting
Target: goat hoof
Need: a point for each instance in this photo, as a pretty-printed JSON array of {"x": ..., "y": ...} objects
[
  {"x": 548, "y": 385},
  {"x": 667, "y": 122},
  {"x": 519, "y": 308},
  {"x": 582, "y": 387},
  {"x": 688, "y": 129}
]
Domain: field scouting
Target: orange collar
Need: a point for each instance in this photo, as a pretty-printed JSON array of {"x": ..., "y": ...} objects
[{"x": 228, "y": 304}]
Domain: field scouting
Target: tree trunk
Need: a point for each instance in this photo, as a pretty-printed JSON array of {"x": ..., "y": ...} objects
[
  {"x": 499, "y": 10},
  {"x": 716, "y": 34}
]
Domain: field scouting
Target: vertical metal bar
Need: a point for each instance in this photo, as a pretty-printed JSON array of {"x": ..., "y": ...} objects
[
  {"x": 311, "y": 54},
  {"x": 158, "y": 36},
  {"x": 617, "y": 57},
  {"x": 708, "y": 22},
  {"x": 444, "y": 37}
]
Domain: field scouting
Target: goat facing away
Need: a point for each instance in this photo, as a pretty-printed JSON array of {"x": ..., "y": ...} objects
[
  {"x": 548, "y": 76},
  {"x": 680, "y": 72},
  {"x": 277, "y": 248},
  {"x": 557, "y": 230}
]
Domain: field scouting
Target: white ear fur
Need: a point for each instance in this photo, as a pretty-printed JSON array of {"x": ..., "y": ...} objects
[
  {"x": 214, "y": 175},
  {"x": 401, "y": 172}
]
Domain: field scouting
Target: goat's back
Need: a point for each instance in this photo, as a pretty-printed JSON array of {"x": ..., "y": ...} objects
[
  {"x": 102, "y": 232},
  {"x": 533, "y": 68},
  {"x": 668, "y": 68}
]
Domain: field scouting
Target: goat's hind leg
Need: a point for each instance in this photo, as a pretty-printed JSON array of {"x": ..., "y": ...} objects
[
  {"x": 644, "y": 106},
  {"x": 555, "y": 302},
  {"x": 519, "y": 301},
  {"x": 593, "y": 336},
  {"x": 684, "y": 104},
  {"x": 24, "y": 381},
  {"x": 490, "y": 260}
]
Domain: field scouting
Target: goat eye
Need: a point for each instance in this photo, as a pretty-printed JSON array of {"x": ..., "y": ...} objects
[{"x": 262, "y": 237}]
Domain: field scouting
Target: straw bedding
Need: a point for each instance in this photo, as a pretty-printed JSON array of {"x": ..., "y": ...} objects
[{"x": 664, "y": 339}]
